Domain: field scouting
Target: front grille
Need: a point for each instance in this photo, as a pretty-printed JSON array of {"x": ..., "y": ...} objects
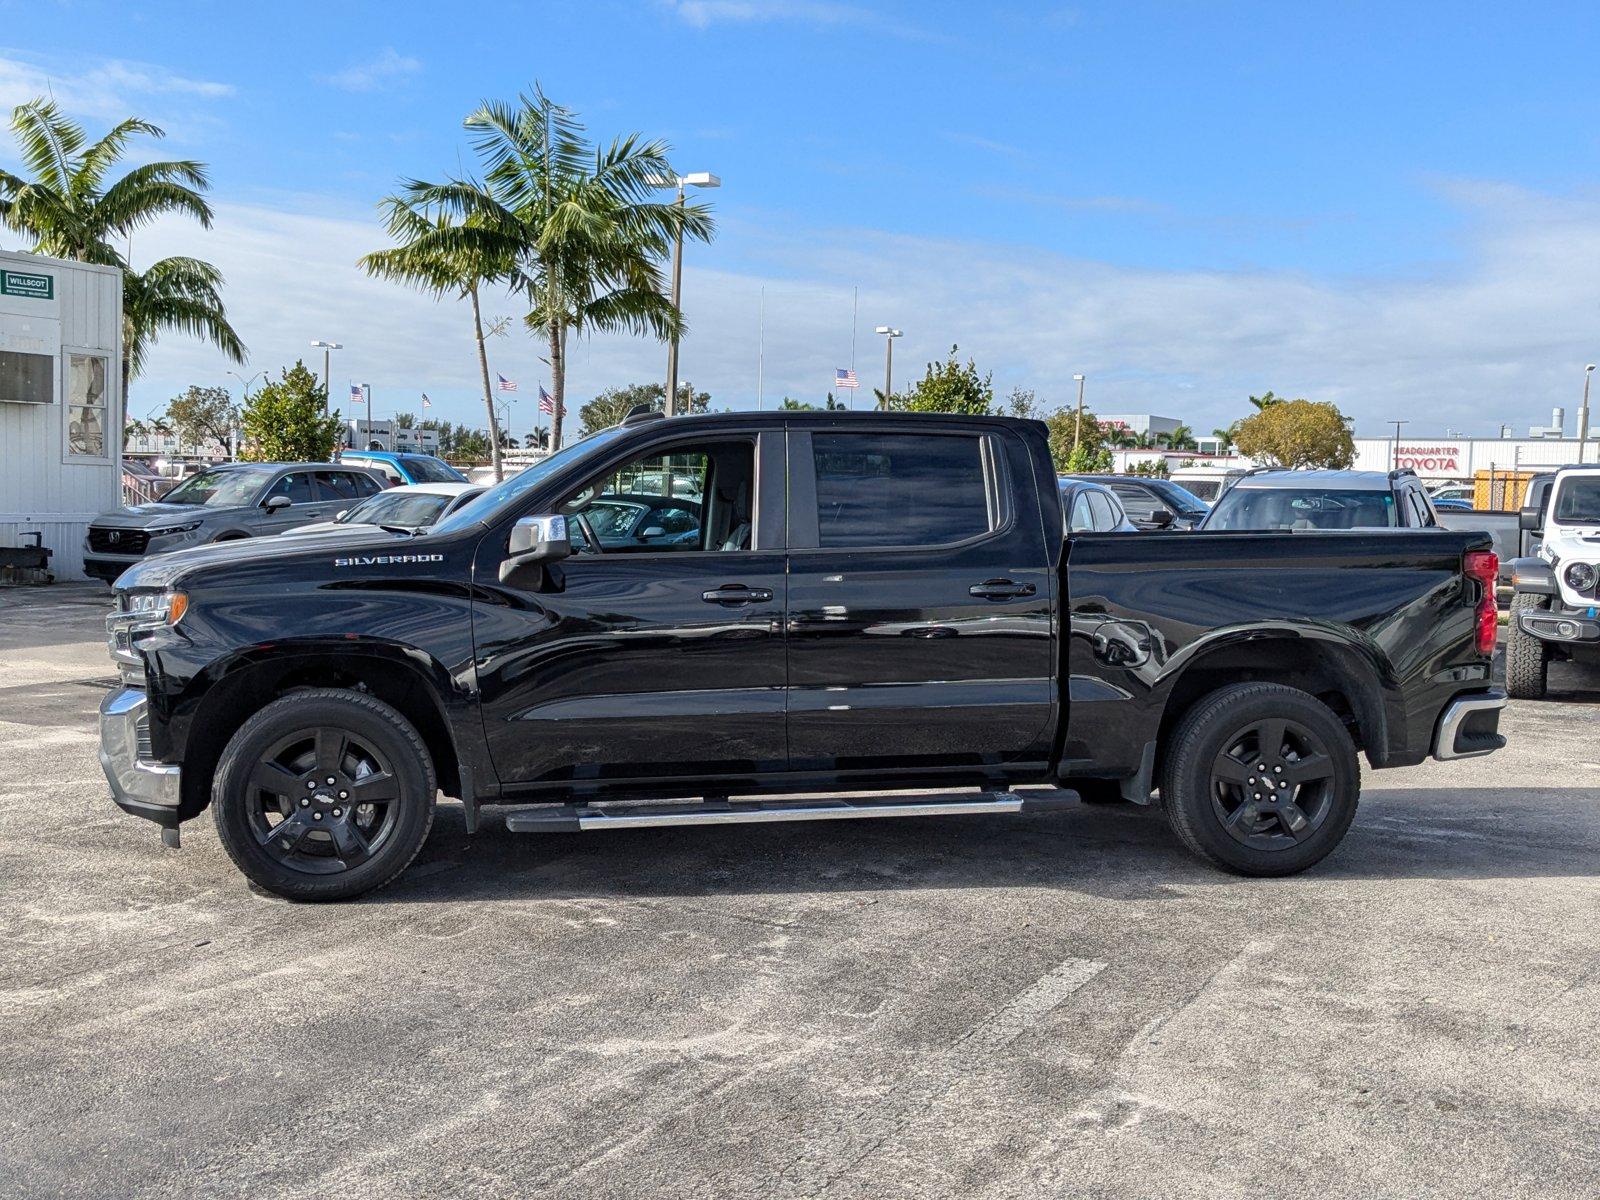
[{"x": 117, "y": 541}]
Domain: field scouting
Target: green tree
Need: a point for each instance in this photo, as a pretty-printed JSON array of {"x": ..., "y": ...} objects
[
  {"x": 1225, "y": 437},
  {"x": 1181, "y": 438},
  {"x": 1023, "y": 404},
  {"x": 948, "y": 387},
  {"x": 472, "y": 444},
  {"x": 611, "y": 405},
  {"x": 1265, "y": 401},
  {"x": 1089, "y": 453},
  {"x": 1153, "y": 469},
  {"x": 283, "y": 421},
  {"x": 1298, "y": 433},
  {"x": 70, "y": 211},
  {"x": 200, "y": 413},
  {"x": 591, "y": 241},
  {"x": 405, "y": 420}
]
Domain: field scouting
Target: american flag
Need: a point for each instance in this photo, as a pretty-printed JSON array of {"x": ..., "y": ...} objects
[
  {"x": 355, "y": 393},
  {"x": 845, "y": 379},
  {"x": 506, "y": 385},
  {"x": 547, "y": 402},
  {"x": 426, "y": 403}
]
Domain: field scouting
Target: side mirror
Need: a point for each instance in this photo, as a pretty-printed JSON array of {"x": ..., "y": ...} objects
[
  {"x": 339, "y": 516},
  {"x": 654, "y": 531},
  {"x": 276, "y": 503},
  {"x": 541, "y": 539},
  {"x": 1529, "y": 519},
  {"x": 1161, "y": 518}
]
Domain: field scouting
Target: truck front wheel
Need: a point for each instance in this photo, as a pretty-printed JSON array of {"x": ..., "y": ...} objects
[
  {"x": 323, "y": 795},
  {"x": 1527, "y": 657},
  {"x": 1261, "y": 779}
]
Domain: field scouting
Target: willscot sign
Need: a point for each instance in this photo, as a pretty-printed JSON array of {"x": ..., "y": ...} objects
[{"x": 1439, "y": 459}]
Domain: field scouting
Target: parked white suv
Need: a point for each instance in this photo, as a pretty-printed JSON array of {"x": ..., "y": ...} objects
[{"x": 1555, "y": 606}]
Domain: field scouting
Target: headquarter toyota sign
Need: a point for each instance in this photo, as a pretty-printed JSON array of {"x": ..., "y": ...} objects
[{"x": 31, "y": 284}]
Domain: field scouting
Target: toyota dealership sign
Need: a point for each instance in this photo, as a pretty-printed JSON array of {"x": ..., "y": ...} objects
[{"x": 1438, "y": 460}]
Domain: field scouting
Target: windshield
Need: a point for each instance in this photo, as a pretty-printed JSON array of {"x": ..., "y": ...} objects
[
  {"x": 1302, "y": 508},
  {"x": 1181, "y": 498},
  {"x": 412, "y": 509},
  {"x": 1578, "y": 501},
  {"x": 424, "y": 468},
  {"x": 218, "y": 489},
  {"x": 513, "y": 489}
]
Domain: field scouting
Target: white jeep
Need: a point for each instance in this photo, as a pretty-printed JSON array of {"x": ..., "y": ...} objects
[{"x": 1555, "y": 607}]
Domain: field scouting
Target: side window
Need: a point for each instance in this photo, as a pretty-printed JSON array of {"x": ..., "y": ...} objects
[
  {"x": 712, "y": 493},
  {"x": 1105, "y": 517},
  {"x": 1081, "y": 521},
  {"x": 390, "y": 472},
  {"x": 339, "y": 485},
  {"x": 296, "y": 486},
  {"x": 899, "y": 489},
  {"x": 366, "y": 485},
  {"x": 1138, "y": 503}
]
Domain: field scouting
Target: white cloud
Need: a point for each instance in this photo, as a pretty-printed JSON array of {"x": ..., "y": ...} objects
[
  {"x": 386, "y": 69},
  {"x": 1502, "y": 334},
  {"x": 826, "y": 13},
  {"x": 107, "y": 90}
]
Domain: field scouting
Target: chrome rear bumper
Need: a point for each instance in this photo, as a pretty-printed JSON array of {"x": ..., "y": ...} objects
[
  {"x": 1470, "y": 726},
  {"x": 138, "y": 783}
]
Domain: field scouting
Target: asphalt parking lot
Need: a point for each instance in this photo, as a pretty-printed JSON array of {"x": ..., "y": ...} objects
[{"x": 1049, "y": 1005}]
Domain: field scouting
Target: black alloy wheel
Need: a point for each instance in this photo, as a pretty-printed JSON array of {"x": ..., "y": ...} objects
[
  {"x": 1260, "y": 778},
  {"x": 324, "y": 794}
]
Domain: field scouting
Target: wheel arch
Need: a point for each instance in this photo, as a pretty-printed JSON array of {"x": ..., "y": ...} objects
[
  {"x": 1341, "y": 675},
  {"x": 218, "y": 702}
]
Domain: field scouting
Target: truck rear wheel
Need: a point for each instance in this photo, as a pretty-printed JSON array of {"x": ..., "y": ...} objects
[
  {"x": 1527, "y": 657},
  {"x": 1261, "y": 779},
  {"x": 323, "y": 795}
]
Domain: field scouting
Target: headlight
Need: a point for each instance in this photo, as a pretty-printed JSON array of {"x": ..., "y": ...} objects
[
  {"x": 1580, "y": 576},
  {"x": 169, "y": 530},
  {"x": 153, "y": 608}
]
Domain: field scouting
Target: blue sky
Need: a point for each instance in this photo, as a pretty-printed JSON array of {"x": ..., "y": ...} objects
[{"x": 1389, "y": 206}]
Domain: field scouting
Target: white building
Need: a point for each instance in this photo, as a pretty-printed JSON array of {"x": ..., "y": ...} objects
[
  {"x": 1137, "y": 423},
  {"x": 60, "y": 401},
  {"x": 384, "y": 435}
]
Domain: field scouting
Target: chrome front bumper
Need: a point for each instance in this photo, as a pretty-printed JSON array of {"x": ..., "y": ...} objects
[
  {"x": 139, "y": 784},
  {"x": 1470, "y": 726}
]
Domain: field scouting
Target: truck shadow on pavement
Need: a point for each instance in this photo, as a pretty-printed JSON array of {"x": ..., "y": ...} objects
[{"x": 1114, "y": 852}]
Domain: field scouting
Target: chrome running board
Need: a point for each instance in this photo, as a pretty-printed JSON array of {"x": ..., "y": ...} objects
[{"x": 573, "y": 818}]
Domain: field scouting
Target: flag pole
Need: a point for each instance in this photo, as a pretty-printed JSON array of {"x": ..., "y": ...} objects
[
  {"x": 855, "y": 308},
  {"x": 761, "y": 345}
]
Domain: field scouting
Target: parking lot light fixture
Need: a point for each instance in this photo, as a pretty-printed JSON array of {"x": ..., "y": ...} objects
[
  {"x": 1583, "y": 413},
  {"x": 700, "y": 179},
  {"x": 889, "y": 334},
  {"x": 327, "y": 349}
]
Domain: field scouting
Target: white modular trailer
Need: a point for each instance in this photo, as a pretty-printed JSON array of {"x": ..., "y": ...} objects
[
  {"x": 1438, "y": 459},
  {"x": 60, "y": 402}
]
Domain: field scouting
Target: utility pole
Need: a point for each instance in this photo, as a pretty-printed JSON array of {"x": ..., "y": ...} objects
[
  {"x": 366, "y": 417},
  {"x": 1077, "y": 425},
  {"x": 703, "y": 179},
  {"x": 327, "y": 349},
  {"x": 1394, "y": 453}
]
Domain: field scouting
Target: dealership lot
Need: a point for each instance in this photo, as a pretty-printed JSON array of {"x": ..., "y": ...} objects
[{"x": 1040, "y": 1005}]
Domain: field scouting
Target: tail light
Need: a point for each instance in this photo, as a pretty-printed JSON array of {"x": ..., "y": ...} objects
[{"x": 1484, "y": 566}]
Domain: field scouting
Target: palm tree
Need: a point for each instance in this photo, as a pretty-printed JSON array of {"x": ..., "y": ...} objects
[
  {"x": 445, "y": 256},
  {"x": 70, "y": 212},
  {"x": 1263, "y": 402},
  {"x": 174, "y": 293},
  {"x": 1181, "y": 438},
  {"x": 1225, "y": 436},
  {"x": 592, "y": 243}
]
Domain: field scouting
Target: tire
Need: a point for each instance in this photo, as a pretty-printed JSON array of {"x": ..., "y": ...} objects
[
  {"x": 1527, "y": 658},
  {"x": 1210, "y": 767},
  {"x": 301, "y": 838}
]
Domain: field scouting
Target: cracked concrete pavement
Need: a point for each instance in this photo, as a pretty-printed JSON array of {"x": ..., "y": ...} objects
[{"x": 1049, "y": 1005}]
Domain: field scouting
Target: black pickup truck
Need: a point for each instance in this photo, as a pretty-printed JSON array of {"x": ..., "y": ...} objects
[{"x": 821, "y": 616}]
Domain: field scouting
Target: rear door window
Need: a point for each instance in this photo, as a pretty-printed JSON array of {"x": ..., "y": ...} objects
[
  {"x": 339, "y": 485},
  {"x": 1081, "y": 519},
  {"x": 900, "y": 489},
  {"x": 1136, "y": 500},
  {"x": 1105, "y": 517}
]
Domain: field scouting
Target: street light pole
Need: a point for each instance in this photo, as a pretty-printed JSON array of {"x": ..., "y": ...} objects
[
  {"x": 1394, "y": 454},
  {"x": 889, "y": 335},
  {"x": 704, "y": 179},
  {"x": 1077, "y": 425},
  {"x": 1583, "y": 413},
  {"x": 327, "y": 349}
]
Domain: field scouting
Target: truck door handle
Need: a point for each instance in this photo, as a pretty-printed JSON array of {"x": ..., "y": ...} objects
[
  {"x": 736, "y": 593},
  {"x": 1001, "y": 589}
]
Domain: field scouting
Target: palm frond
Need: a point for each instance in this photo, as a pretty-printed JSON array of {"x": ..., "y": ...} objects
[
  {"x": 98, "y": 158},
  {"x": 48, "y": 141}
]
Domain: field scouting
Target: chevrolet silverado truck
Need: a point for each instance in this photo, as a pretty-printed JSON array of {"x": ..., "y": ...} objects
[
  {"x": 866, "y": 615},
  {"x": 1555, "y": 600}
]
